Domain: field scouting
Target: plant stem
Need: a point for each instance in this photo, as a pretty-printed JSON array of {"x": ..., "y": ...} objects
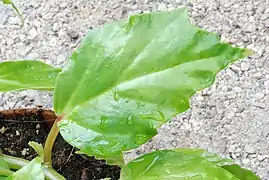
[
  {"x": 14, "y": 162},
  {"x": 51, "y": 174},
  {"x": 17, "y": 163},
  {"x": 54, "y": 131},
  {"x": 5, "y": 172}
]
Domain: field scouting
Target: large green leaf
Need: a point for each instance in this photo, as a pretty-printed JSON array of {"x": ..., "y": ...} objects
[
  {"x": 32, "y": 171},
  {"x": 240, "y": 173},
  {"x": 173, "y": 165},
  {"x": 129, "y": 77},
  {"x": 19, "y": 75}
]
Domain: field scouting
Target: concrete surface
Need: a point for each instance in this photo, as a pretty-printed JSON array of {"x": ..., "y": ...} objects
[{"x": 230, "y": 118}]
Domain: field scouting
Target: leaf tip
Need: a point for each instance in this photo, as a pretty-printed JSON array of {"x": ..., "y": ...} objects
[{"x": 248, "y": 52}]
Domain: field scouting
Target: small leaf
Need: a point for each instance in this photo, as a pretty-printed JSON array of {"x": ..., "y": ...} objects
[
  {"x": 38, "y": 148},
  {"x": 19, "y": 75},
  {"x": 32, "y": 171},
  {"x": 240, "y": 173},
  {"x": 173, "y": 165},
  {"x": 129, "y": 77}
]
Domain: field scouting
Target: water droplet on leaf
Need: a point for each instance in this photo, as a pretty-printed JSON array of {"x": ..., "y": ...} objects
[
  {"x": 66, "y": 130},
  {"x": 116, "y": 97},
  {"x": 103, "y": 121},
  {"x": 140, "y": 139},
  {"x": 103, "y": 142},
  {"x": 161, "y": 115},
  {"x": 151, "y": 125},
  {"x": 130, "y": 120},
  {"x": 76, "y": 139},
  {"x": 140, "y": 104},
  {"x": 103, "y": 118},
  {"x": 157, "y": 116}
]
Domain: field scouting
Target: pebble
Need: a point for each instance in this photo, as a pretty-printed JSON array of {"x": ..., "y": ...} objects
[
  {"x": 73, "y": 34},
  {"x": 32, "y": 33},
  {"x": 61, "y": 59},
  {"x": 17, "y": 133},
  {"x": 3, "y": 130},
  {"x": 245, "y": 66},
  {"x": 266, "y": 23},
  {"x": 32, "y": 56},
  {"x": 250, "y": 149},
  {"x": 9, "y": 41},
  {"x": 231, "y": 148},
  {"x": 161, "y": 7},
  {"x": 240, "y": 9},
  {"x": 266, "y": 84},
  {"x": 259, "y": 96},
  {"x": 55, "y": 27},
  {"x": 25, "y": 51},
  {"x": 24, "y": 151},
  {"x": 261, "y": 158},
  {"x": 258, "y": 75},
  {"x": 13, "y": 21},
  {"x": 37, "y": 24},
  {"x": 245, "y": 161},
  {"x": 266, "y": 131}
]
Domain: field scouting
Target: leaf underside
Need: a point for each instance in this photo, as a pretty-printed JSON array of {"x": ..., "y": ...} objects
[
  {"x": 20, "y": 75},
  {"x": 129, "y": 77},
  {"x": 179, "y": 165},
  {"x": 32, "y": 171}
]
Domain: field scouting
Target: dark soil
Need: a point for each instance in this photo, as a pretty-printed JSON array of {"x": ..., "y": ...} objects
[{"x": 18, "y": 127}]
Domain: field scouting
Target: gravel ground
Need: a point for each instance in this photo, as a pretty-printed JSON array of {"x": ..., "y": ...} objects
[{"x": 230, "y": 118}]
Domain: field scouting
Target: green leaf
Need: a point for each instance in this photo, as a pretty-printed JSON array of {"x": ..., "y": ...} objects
[
  {"x": 32, "y": 171},
  {"x": 3, "y": 164},
  {"x": 4, "y": 168},
  {"x": 173, "y": 165},
  {"x": 240, "y": 173},
  {"x": 38, "y": 148},
  {"x": 213, "y": 158},
  {"x": 19, "y": 75},
  {"x": 7, "y": 1},
  {"x": 129, "y": 77},
  {"x": 119, "y": 160}
]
